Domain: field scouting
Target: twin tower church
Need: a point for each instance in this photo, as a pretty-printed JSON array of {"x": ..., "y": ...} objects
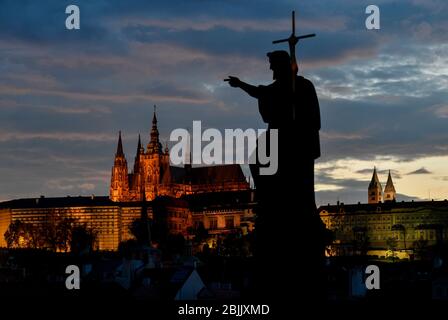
[
  {"x": 375, "y": 192},
  {"x": 153, "y": 176}
]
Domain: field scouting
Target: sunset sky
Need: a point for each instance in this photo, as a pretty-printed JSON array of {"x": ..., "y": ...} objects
[{"x": 64, "y": 95}]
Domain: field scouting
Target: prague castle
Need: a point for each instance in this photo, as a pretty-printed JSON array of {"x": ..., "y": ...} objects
[{"x": 217, "y": 197}]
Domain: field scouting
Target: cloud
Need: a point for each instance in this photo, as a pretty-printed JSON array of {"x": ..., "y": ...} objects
[
  {"x": 441, "y": 111},
  {"x": 87, "y": 186},
  {"x": 341, "y": 136},
  {"x": 208, "y": 23},
  {"x": 102, "y": 97},
  {"x": 63, "y": 136},
  {"x": 422, "y": 170}
]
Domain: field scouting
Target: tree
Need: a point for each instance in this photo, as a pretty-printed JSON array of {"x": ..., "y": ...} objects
[
  {"x": 56, "y": 235},
  {"x": 82, "y": 240},
  {"x": 13, "y": 234},
  {"x": 22, "y": 235},
  {"x": 64, "y": 232},
  {"x": 140, "y": 229},
  {"x": 392, "y": 244},
  {"x": 34, "y": 235}
]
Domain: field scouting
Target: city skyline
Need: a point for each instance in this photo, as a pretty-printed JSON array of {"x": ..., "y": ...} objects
[{"x": 66, "y": 94}]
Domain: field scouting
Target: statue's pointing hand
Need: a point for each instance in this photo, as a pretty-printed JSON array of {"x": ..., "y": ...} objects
[{"x": 233, "y": 81}]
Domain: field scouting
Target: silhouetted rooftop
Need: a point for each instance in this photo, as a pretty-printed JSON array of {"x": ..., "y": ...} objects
[
  {"x": 68, "y": 201},
  {"x": 195, "y": 201},
  {"x": 383, "y": 207}
]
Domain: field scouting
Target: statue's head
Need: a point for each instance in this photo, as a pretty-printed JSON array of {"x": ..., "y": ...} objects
[{"x": 280, "y": 64}]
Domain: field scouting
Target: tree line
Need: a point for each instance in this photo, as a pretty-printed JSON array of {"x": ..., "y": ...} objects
[{"x": 63, "y": 235}]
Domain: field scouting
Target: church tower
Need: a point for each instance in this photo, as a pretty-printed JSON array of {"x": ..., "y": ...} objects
[
  {"x": 375, "y": 191},
  {"x": 154, "y": 157},
  {"x": 119, "y": 185},
  {"x": 389, "y": 191}
]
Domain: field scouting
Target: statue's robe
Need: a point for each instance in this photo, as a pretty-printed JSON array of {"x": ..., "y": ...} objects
[{"x": 289, "y": 230}]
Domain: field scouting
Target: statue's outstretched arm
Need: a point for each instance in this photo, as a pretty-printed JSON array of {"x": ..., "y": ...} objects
[{"x": 251, "y": 90}]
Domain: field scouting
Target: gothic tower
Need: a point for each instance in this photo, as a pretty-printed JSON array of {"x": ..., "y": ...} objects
[
  {"x": 389, "y": 191},
  {"x": 119, "y": 185},
  {"x": 137, "y": 185},
  {"x": 155, "y": 158},
  {"x": 375, "y": 191},
  {"x": 154, "y": 146}
]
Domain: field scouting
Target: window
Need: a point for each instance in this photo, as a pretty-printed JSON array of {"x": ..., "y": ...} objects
[
  {"x": 229, "y": 223},
  {"x": 213, "y": 223}
]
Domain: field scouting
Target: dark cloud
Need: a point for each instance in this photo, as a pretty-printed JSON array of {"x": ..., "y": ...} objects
[{"x": 422, "y": 170}]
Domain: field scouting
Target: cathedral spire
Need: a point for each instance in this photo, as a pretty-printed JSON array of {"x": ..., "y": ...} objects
[
  {"x": 375, "y": 192},
  {"x": 154, "y": 117},
  {"x": 154, "y": 145},
  {"x": 389, "y": 190},
  {"x": 139, "y": 145},
  {"x": 119, "y": 185},
  {"x": 375, "y": 181},
  {"x": 119, "y": 146}
]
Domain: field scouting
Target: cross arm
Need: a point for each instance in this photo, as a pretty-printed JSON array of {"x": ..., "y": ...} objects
[{"x": 294, "y": 38}]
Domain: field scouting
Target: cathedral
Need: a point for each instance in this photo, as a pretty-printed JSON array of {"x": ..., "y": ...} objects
[{"x": 153, "y": 176}]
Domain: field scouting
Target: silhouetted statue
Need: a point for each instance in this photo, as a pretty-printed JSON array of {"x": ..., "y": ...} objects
[{"x": 289, "y": 231}]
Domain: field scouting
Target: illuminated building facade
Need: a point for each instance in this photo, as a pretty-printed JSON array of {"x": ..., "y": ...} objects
[
  {"x": 405, "y": 222},
  {"x": 381, "y": 226},
  {"x": 108, "y": 220},
  {"x": 111, "y": 220}
]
